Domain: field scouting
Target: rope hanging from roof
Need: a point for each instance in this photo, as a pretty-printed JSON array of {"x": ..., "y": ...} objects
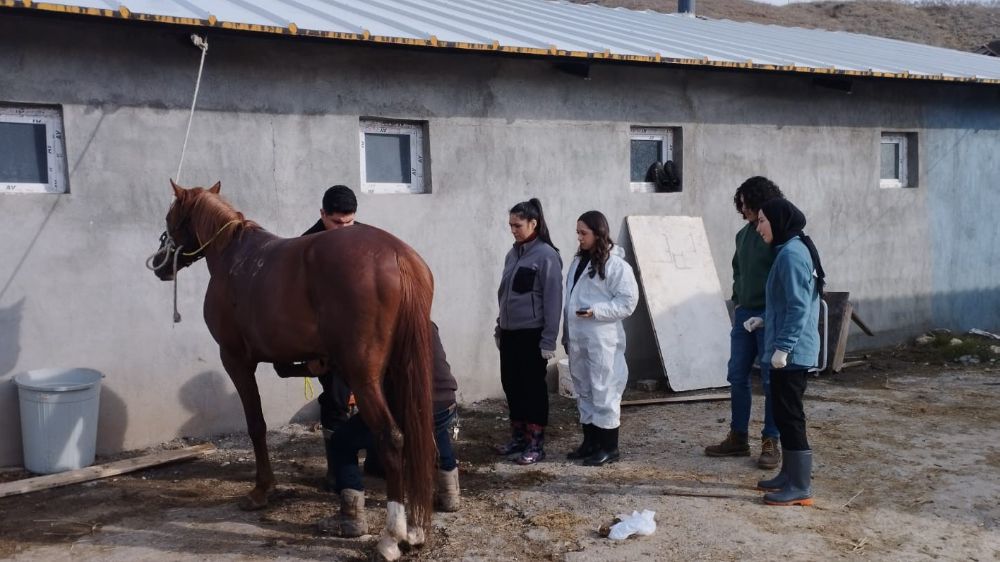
[{"x": 201, "y": 43}]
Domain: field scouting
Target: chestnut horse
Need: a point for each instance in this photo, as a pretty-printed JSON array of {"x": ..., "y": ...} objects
[{"x": 356, "y": 297}]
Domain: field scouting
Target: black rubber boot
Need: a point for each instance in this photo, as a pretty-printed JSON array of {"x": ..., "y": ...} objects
[
  {"x": 588, "y": 446},
  {"x": 798, "y": 490},
  {"x": 607, "y": 451}
]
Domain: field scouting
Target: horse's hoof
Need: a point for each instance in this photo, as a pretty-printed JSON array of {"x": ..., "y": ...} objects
[
  {"x": 388, "y": 549},
  {"x": 415, "y": 536},
  {"x": 249, "y": 503}
]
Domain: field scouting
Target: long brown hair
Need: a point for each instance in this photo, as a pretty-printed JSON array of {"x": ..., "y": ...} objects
[{"x": 599, "y": 254}]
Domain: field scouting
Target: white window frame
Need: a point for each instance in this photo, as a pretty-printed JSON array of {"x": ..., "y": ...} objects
[
  {"x": 901, "y": 140},
  {"x": 51, "y": 117},
  {"x": 413, "y": 129},
  {"x": 663, "y": 134}
]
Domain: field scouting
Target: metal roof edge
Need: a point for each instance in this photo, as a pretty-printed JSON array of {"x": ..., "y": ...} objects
[{"x": 123, "y": 13}]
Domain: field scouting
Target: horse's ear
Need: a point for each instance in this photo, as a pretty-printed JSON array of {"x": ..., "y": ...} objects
[
  {"x": 177, "y": 189},
  {"x": 215, "y": 188}
]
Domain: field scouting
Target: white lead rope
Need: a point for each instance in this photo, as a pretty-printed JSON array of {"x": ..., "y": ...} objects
[{"x": 201, "y": 43}]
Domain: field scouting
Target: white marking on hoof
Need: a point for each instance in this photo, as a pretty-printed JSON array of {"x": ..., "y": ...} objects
[
  {"x": 415, "y": 536},
  {"x": 388, "y": 548},
  {"x": 395, "y": 521}
]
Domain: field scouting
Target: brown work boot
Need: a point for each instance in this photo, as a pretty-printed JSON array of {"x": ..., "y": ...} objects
[
  {"x": 734, "y": 445},
  {"x": 351, "y": 522},
  {"x": 447, "y": 497},
  {"x": 770, "y": 453}
]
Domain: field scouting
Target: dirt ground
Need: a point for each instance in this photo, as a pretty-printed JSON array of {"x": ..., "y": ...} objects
[{"x": 907, "y": 467}]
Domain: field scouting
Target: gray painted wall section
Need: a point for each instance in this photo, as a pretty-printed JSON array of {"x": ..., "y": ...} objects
[{"x": 278, "y": 123}]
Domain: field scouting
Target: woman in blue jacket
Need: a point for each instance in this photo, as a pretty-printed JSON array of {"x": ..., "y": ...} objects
[{"x": 791, "y": 343}]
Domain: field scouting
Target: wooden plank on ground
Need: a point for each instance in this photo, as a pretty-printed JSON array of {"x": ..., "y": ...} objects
[
  {"x": 102, "y": 471},
  {"x": 674, "y": 399},
  {"x": 849, "y": 364}
]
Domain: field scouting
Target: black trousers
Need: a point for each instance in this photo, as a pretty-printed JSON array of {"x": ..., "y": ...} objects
[
  {"x": 522, "y": 373},
  {"x": 787, "y": 388}
]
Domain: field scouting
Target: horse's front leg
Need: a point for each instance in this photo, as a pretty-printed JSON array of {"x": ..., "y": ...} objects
[{"x": 241, "y": 371}]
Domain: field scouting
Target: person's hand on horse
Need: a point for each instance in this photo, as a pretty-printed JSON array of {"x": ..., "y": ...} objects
[{"x": 317, "y": 367}]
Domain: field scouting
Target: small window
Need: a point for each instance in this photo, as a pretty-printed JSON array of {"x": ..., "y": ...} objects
[
  {"x": 654, "y": 166},
  {"x": 32, "y": 154},
  {"x": 897, "y": 160},
  {"x": 393, "y": 158}
]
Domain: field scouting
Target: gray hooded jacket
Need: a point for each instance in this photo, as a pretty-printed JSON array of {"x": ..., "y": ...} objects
[{"x": 530, "y": 293}]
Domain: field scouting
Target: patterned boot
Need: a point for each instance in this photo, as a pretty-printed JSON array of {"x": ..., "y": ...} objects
[
  {"x": 518, "y": 440},
  {"x": 535, "y": 450}
]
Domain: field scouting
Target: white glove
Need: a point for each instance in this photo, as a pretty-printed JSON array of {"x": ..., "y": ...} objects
[
  {"x": 753, "y": 323},
  {"x": 779, "y": 359},
  {"x": 548, "y": 354}
]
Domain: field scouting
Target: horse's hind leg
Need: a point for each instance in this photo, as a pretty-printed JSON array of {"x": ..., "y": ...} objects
[
  {"x": 389, "y": 440},
  {"x": 242, "y": 374}
]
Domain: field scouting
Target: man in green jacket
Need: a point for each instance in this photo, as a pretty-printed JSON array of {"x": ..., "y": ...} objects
[{"x": 751, "y": 265}]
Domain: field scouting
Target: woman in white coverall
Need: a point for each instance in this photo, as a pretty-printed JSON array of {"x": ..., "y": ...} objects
[{"x": 600, "y": 292}]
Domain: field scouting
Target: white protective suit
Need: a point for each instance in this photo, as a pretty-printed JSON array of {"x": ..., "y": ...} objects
[{"x": 596, "y": 345}]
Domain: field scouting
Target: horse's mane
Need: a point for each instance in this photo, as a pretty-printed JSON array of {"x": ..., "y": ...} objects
[{"x": 210, "y": 212}]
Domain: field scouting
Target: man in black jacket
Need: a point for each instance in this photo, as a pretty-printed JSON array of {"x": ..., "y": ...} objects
[{"x": 344, "y": 435}]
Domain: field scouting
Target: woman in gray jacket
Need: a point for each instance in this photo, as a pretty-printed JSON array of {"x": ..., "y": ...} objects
[{"x": 530, "y": 299}]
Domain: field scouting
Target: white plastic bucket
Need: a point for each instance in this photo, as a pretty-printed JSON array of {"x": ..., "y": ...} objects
[
  {"x": 59, "y": 410},
  {"x": 565, "y": 380}
]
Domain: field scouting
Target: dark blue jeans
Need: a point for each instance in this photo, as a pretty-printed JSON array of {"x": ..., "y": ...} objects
[
  {"x": 744, "y": 347},
  {"x": 354, "y": 435}
]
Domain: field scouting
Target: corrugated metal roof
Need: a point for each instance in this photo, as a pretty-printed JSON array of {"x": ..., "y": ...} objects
[{"x": 559, "y": 28}]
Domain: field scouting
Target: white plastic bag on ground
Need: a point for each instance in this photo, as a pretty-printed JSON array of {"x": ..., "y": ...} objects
[{"x": 637, "y": 523}]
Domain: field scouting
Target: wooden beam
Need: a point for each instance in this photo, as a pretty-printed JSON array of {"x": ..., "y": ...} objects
[
  {"x": 102, "y": 471},
  {"x": 673, "y": 399},
  {"x": 861, "y": 324},
  {"x": 840, "y": 310},
  {"x": 849, "y": 364}
]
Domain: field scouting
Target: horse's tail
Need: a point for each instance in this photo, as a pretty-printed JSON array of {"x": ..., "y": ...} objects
[{"x": 408, "y": 386}]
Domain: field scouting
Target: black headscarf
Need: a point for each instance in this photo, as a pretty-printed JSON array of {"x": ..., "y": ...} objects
[{"x": 787, "y": 222}]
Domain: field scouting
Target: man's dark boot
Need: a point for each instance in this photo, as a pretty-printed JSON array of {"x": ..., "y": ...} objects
[
  {"x": 798, "y": 490},
  {"x": 607, "y": 451},
  {"x": 588, "y": 447},
  {"x": 330, "y": 481},
  {"x": 736, "y": 444}
]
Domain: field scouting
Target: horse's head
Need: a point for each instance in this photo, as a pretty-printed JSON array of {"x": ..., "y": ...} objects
[{"x": 179, "y": 242}]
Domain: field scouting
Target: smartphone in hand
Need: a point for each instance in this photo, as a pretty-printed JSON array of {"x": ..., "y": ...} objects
[{"x": 582, "y": 312}]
